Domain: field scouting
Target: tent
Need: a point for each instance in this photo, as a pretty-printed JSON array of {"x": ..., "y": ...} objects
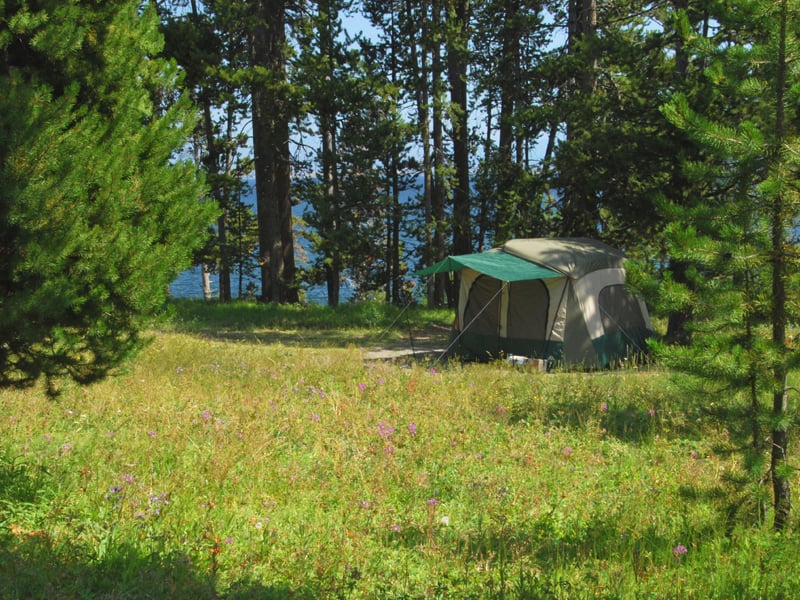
[{"x": 559, "y": 299}]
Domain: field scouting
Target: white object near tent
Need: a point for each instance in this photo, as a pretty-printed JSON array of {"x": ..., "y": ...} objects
[{"x": 563, "y": 300}]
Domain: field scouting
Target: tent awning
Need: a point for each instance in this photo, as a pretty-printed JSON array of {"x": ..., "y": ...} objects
[{"x": 500, "y": 265}]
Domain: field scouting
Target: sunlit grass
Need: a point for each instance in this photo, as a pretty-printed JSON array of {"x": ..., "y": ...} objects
[{"x": 263, "y": 469}]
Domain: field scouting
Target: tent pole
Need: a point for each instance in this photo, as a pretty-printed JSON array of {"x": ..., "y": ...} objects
[
  {"x": 468, "y": 325},
  {"x": 621, "y": 329},
  {"x": 552, "y": 327}
]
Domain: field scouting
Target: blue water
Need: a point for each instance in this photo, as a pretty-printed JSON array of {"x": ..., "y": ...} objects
[{"x": 189, "y": 284}]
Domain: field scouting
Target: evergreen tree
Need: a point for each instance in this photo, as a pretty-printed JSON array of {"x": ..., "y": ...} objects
[
  {"x": 207, "y": 42},
  {"x": 740, "y": 285},
  {"x": 274, "y": 105},
  {"x": 618, "y": 152},
  {"x": 509, "y": 54},
  {"x": 96, "y": 215},
  {"x": 411, "y": 48}
]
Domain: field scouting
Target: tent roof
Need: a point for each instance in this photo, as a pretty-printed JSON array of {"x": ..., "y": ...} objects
[
  {"x": 499, "y": 265},
  {"x": 536, "y": 258},
  {"x": 573, "y": 257}
]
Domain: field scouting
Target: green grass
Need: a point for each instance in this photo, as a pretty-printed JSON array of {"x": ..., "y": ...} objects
[{"x": 252, "y": 452}]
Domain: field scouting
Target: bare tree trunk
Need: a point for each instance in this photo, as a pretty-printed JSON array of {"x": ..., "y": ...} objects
[
  {"x": 457, "y": 62},
  {"x": 206, "y": 283},
  {"x": 442, "y": 285},
  {"x": 509, "y": 92},
  {"x": 271, "y": 153},
  {"x": 333, "y": 266},
  {"x": 424, "y": 124}
]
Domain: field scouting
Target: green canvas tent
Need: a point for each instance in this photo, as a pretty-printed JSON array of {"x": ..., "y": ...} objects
[{"x": 559, "y": 299}]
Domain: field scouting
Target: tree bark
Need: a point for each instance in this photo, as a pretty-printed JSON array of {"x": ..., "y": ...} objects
[
  {"x": 443, "y": 287},
  {"x": 271, "y": 116},
  {"x": 457, "y": 62},
  {"x": 509, "y": 98},
  {"x": 780, "y": 404},
  {"x": 579, "y": 211}
]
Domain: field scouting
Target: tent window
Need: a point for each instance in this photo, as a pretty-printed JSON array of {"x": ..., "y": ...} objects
[
  {"x": 619, "y": 309},
  {"x": 482, "y": 312},
  {"x": 528, "y": 307}
]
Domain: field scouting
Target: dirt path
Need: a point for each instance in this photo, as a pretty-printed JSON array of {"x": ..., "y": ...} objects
[{"x": 431, "y": 343}]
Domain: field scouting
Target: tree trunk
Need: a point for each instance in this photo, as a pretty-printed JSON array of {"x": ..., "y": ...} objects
[
  {"x": 457, "y": 61},
  {"x": 206, "y": 282},
  {"x": 329, "y": 154},
  {"x": 331, "y": 194},
  {"x": 443, "y": 289},
  {"x": 271, "y": 153},
  {"x": 424, "y": 126},
  {"x": 579, "y": 211},
  {"x": 509, "y": 86},
  {"x": 780, "y": 404},
  {"x": 211, "y": 162}
]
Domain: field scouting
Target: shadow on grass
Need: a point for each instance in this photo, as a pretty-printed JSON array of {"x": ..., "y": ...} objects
[
  {"x": 366, "y": 324},
  {"x": 33, "y": 564},
  {"x": 627, "y": 421},
  {"x": 537, "y": 555},
  {"x": 33, "y": 568}
]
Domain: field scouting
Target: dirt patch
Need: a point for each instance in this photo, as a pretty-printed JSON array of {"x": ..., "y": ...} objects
[{"x": 430, "y": 343}]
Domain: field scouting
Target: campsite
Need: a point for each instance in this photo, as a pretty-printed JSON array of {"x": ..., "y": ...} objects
[
  {"x": 562, "y": 300},
  {"x": 557, "y": 245},
  {"x": 255, "y": 451}
]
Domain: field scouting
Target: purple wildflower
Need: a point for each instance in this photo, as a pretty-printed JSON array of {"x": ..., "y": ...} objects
[
  {"x": 679, "y": 551},
  {"x": 412, "y": 429},
  {"x": 114, "y": 492},
  {"x": 384, "y": 429}
]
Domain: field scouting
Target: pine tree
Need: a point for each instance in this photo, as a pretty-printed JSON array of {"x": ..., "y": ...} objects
[
  {"x": 739, "y": 245},
  {"x": 274, "y": 106},
  {"x": 208, "y": 44},
  {"x": 96, "y": 214}
]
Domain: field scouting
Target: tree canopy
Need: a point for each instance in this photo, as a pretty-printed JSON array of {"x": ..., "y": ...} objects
[{"x": 97, "y": 213}]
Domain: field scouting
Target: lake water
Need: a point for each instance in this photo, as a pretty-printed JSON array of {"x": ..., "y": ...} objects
[{"x": 189, "y": 284}]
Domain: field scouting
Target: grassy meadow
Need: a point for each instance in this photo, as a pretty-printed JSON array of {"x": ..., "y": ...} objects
[{"x": 254, "y": 452}]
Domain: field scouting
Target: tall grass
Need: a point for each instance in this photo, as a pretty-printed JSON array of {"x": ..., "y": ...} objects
[{"x": 250, "y": 466}]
